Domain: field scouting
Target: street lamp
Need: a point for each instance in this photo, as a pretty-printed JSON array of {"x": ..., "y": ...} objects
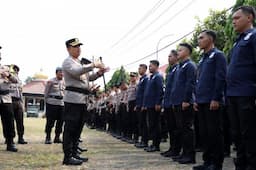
[{"x": 159, "y": 43}]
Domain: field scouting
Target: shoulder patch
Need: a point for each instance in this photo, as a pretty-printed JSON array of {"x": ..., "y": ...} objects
[
  {"x": 247, "y": 37},
  {"x": 184, "y": 65},
  {"x": 212, "y": 55}
]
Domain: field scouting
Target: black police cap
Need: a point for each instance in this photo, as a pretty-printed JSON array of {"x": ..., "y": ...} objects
[{"x": 74, "y": 42}]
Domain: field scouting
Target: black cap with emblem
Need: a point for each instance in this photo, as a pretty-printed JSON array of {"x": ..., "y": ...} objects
[{"x": 74, "y": 42}]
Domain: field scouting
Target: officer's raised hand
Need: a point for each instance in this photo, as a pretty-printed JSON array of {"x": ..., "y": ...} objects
[{"x": 98, "y": 64}]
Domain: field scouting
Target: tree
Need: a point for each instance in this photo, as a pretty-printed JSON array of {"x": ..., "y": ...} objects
[
  {"x": 29, "y": 79},
  {"x": 216, "y": 21},
  {"x": 229, "y": 31},
  {"x": 118, "y": 77}
]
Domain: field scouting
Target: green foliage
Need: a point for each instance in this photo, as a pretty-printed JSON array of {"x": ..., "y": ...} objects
[
  {"x": 29, "y": 79},
  {"x": 221, "y": 22},
  {"x": 216, "y": 21},
  {"x": 229, "y": 31},
  {"x": 118, "y": 77}
]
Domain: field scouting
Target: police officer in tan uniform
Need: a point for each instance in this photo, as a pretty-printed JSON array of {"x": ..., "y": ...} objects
[
  {"x": 17, "y": 105},
  {"x": 6, "y": 111},
  {"x": 77, "y": 77},
  {"x": 54, "y": 92}
]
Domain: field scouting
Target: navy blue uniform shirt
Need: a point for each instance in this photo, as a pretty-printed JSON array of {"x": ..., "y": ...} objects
[
  {"x": 140, "y": 90},
  {"x": 154, "y": 91},
  {"x": 212, "y": 69},
  {"x": 241, "y": 76},
  {"x": 184, "y": 83},
  {"x": 169, "y": 84}
]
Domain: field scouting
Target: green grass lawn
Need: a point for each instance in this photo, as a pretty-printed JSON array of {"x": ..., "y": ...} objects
[
  {"x": 104, "y": 153},
  {"x": 35, "y": 155}
]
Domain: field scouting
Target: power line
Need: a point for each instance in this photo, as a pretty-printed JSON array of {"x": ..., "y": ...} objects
[
  {"x": 168, "y": 21},
  {"x": 152, "y": 22},
  {"x": 152, "y": 10},
  {"x": 161, "y": 49},
  {"x": 153, "y": 53},
  {"x": 153, "y": 32}
]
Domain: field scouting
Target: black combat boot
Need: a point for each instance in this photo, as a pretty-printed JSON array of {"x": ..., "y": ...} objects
[
  {"x": 48, "y": 139},
  {"x": 21, "y": 140},
  {"x": 69, "y": 160},
  {"x": 57, "y": 138},
  {"x": 11, "y": 146}
]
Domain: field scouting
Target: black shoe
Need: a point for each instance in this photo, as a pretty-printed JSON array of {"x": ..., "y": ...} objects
[
  {"x": 48, "y": 141},
  {"x": 153, "y": 149},
  {"x": 177, "y": 158},
  {"x": 22, "y": 141},
  {"x": 83, "y": 159},
  {"x": 118, "y": 137},
  {"x": 82, "y": 149},
  {"x": 166, "y": 152},
  {"x": 141, "y": 145},
  {"x": 57, "y": 140},
  {"x": 72, "y": 161},
  {"x": 201, "y": 167},
  {"x": 147, "y": 148},
  {"x": 171, "y": 154},
  {"x": 123, "y": 139},
  {"x": 11, "y": 147},
  {"x": 213, "y": 167},
  {"x": 135, "y": 141},
  {"x": 130, "y": 141},
  {"x": 187, "y": 160}
]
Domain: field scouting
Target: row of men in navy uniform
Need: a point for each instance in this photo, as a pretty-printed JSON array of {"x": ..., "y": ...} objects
[{"x": 202, "y": 91}]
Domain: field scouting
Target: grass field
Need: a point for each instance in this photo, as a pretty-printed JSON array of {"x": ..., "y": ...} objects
[{"x": 104, "y": 152}]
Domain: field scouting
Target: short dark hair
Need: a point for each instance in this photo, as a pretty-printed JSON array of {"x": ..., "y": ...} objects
[
  {"x": 174, "y": 52},
  {"x": 210, "y": 33},
  {"x": 250, "y": 10},
  {"x": 144, "y": 66},
  {"x": 154, "y": 62},
  {"x": 188, "y": 46},
  {"x": 58, "y": 69}
]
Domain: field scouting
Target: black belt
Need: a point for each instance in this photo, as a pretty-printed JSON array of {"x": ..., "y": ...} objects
[
  {"x": 77, "y": 89},
  {"x": 4, "y": 92},
  {"x": 16, "y": 99},
  {"x": 56, "y": 97}
]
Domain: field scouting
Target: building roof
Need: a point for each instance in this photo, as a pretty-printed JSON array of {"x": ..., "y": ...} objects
[
  {"x": 35, "y": 87},
  {"x": 162, "y": 69},
  {"x": 40, "y": 75}
]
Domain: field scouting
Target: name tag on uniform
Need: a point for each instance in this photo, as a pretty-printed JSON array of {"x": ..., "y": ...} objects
[{"x": 212, "y": 55}]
